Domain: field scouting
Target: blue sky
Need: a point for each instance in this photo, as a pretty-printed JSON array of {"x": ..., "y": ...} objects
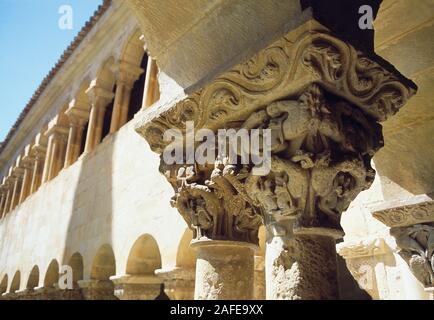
[{"x": 31, "y": 43}]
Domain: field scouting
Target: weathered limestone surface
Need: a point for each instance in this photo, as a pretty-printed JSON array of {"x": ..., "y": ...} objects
[{"x": 224, "y": 270}]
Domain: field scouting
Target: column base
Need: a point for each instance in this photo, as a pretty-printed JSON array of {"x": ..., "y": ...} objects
[
  {"x": 178, "y": 282},
  {"x": 224, "y": 270},
  {"x": 97, "y": 289},
  {"x": 127, "y": 287}
]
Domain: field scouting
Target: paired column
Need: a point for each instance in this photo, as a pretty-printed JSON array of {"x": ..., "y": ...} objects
[
  {"x": 128, "y": 74},
  {"x": 17, "y": 179},
  {"x": 411, "y": 223},
  {"x": 8, "y": 185},
  {"x": 78, "y": 115},
  {"x": 38, "y": 151},
  {"x": 57, "y": 134},
  {"x": 99, "y": 99},
  {"x": 308, "y": 121},
  {"x": 27, "y": 164},
  {"x": 3, "y": 192}
]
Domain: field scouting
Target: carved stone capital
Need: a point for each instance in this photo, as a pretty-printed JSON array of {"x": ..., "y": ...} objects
[
  {"x": 322, "y": 99},
  {"x": 412, "y": 226}
]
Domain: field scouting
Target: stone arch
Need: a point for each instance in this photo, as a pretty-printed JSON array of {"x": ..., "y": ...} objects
[
  {"x": 76, "y": 263},
  {"x": 33, "y": 280},
  {"x": 106, "y": 75},
  {"x": 133, "y": 50},
  {"x": 16, "y": 282},
  {"x": 104, "y": 263},
  {"x": 144, "y": 257},
  {"x": 186, "y": 256},
  {"x": 52, "y": 275},
  {"x": 4, "y": 284}
]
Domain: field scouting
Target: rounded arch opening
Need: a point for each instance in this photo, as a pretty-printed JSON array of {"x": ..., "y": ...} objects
[
  {"x": 15, "y": 285},
  {"x": 76, "y": 263},
  {"x": 52, "y": 274},
  {"x": 4, "y": 284},
  {"x": 104, "y": 264},
  {"x": 186, "y": 257},
  {"x": 144, "y": 257},
  {"x": 33, "y": 280}
]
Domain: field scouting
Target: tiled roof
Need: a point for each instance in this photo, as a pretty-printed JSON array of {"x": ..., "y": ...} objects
[{"x": 63, "y": 58}]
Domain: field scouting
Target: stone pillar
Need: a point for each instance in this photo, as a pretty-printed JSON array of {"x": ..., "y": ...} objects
[
  {"x": 411, "y": 223},
  {"x": 224, "y": 270},
  {"x": 128, "y": 74},
  {"x": 151, "y": 93},
  {"x": 306, "y": 103},
  {"x": 7, "y": 202},
  {"x": 430, "y": 292},
  {"x": 39, "y": 150},
  {"x": 259, "y": 279},
  {"x": 143, "y": 287},
  {"x": 178, "y": 282},
  {"x": 99, "y": 99},
  {"x": 78, "y": 115},
  {"x": 17, "y": 181},
  {"x": 97, "y": 289},
  {"x": 3, "y": 194},
  {"x": 27, "y": 164},
  {"x": 57, "y": 134}
]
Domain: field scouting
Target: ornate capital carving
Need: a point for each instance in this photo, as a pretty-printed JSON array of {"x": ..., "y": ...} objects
[
  {"x": 365, "y": 248},
  {"x": 412, "y": 226},
  {"x": 416, "y": 244},
  {"x": 322, "y": 101},
  {"x": 406, "y": 215}
]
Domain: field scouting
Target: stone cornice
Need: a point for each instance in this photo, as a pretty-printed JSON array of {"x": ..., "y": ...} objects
[{"x": 401, "y": 214}]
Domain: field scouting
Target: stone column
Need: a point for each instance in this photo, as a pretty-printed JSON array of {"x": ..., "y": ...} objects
[
  {"x": 78, "y": 115},
  {"x": 38, "y": 151},
  {"x": 151, "y": 93},
  {"x": 143, "y": 287},
  {"x": 27, "y": 164},
  {"x": 178, "y": 282},
  {"x": 411, "y": 223},
  {"x": 224, "y": 270},
  {"x": 128, "y": 74},
  {"x": 7, "y": 202},
  {"x": 313, "y": 104},
  {"x": 17, "y": 182},
  {"x": 3, "y": 194},
  {"x": 56, "y": 134},
  {"x": 97, "y": 289},
  {"x": 99, "y": 99}
]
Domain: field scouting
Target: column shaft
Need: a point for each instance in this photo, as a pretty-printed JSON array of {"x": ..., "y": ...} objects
[
  {"x": 2, "y": 202},
  {"x": 37, "y": 174},
  {"x": 25, "y": 187},
  {"x": 7, "y": 202},
  {"x": 151, "y": 92},
  {"x": 224, "y": 270},
  {"x": 15, "y": 194},
  {"x": 90, "y": 138},
  {"x": 48, "y": 157},
  {"x": 70, "y": 149},
  {"x": 117, "y": 107}
]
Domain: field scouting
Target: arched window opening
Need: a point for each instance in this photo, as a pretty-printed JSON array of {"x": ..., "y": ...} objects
[{"x": 137, "y": 92}]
